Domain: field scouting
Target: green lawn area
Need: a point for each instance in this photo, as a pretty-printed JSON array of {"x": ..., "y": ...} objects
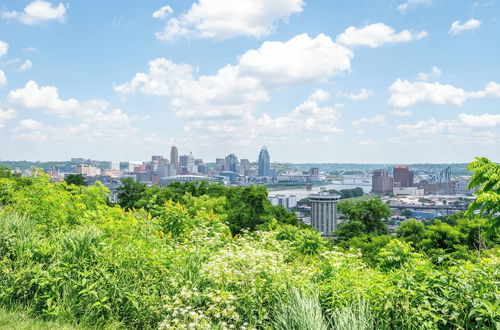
[{"x": 360, "y": 198}]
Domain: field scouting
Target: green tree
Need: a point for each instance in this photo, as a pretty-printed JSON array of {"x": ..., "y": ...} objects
[
  {"x": 369, "y": 212},
  {"x": 130, "y": 193},
  {"x": 486, "y": 177},
  {"x": 76, "y": 179},
  {"x": 247, "y": 208},
  {"x": 442, "y": 236},
  {"x": 411, "y": 231},
  {"x": 349, "y": 229}
]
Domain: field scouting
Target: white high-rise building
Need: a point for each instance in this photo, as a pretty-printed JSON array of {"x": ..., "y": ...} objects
[
  {"x": 115, "y": 165},
  {"x": 324, "y": 212}
]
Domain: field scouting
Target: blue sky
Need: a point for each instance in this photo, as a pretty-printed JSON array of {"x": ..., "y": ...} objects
[{"x": 315, "y": 81}]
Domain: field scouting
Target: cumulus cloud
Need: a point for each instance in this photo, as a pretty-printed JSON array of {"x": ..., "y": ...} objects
[
  {"x": 3, "y": 79},
  {"x": 378, "y": 120},
  {"x": 364, "y": 94},
  {"x": 235, "y": 89},
  {"x": 224, "y": 19},
  {"x": 301, "y": 59},
  {"x": 26, "y": 65},
  {"x": 375, "y": 35},
  {"x": 44, "y": 98},
  {"x": 308, "y": 116},
  {"x": 404, "y": 7},
  {"x": 457, "y": 27},
  {"x": 37, "y": 12},
  {"x": 435, "y": 73},
  {"x": 163, "y": 12},
  {"x": 480, "y": 121},
  {"x": 406, "y": 94},
  {"x": 6, "y": 115},
  {"x": 4, "y": 48},
  {"x": 463, "y": 124}
]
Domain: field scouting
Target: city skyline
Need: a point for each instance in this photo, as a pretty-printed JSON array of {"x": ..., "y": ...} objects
[{"x": 399, "y": 82}]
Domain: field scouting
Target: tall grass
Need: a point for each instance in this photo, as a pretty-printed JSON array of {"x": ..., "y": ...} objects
[
  {"x": 355, "y": 316},
  {"x": 299, "y": 311}
]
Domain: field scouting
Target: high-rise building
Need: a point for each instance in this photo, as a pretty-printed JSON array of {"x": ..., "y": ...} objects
[
  {"x": 264, "y": 163},
  {"x": 324, "y": 212},
  {"x": 219, "y": 164},
  {"x": 174, "y": 157},
  {"x": 231, "y": 163},
  {"x": 183, "y": 164},
  {"x": 244, "y": 166},
  {"x": 382, "y": 183},
  {"x": 115, "y": 165},
  {"x": 314, "y": 171},
  {"x": 403, "y": 176}
]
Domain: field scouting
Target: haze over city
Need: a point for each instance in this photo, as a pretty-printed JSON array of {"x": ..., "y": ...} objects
[{"x": 314, "y": 81}]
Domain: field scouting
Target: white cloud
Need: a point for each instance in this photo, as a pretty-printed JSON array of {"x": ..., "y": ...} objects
[
  {"x": 38, "y": 12},
  {"x": 223, "y": 19},
  {"x": 42, "y": 98},
  {"x": 30, "y": 130},
  {"x": 163, "y": 12},
  {"x": 6, "y": 115},
  {"x": 481, "y": 121},
  {"x": 364, "y": 94},
  {"x": 435, "y": 73},
  {"x": 308, "y": 116},
  {"x": 235, "y": 89},
  {"x": 3, "y": 79},
  {"x": 406, "y": 94},
  {"x": 404, "y": 7},
  {"x": 301, "y": 59},
  {"x": 26, "y": 65},
  {"x": 457, "y": 27},
  {"x": 4, "y": 48},
  {"x": 375, "y": 120},
  {"x": 375, "y": 35},
  {"x": 401, "y": 113}
]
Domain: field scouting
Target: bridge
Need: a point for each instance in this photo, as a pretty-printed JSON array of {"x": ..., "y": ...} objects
[{"x": 449, "y": 209}]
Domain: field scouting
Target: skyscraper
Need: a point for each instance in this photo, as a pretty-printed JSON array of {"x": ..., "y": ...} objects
[
  {"x": 174, "y": 158},
  {"x": 324, "y": 212},
  {"x": 381, "y": 182},
  {"x": 231, "y": 163},
  {"x": 264, "y": 162},
  {"x": 403, "y": 175}
]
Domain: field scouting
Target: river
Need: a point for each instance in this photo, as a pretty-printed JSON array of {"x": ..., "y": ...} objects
[{"x": 303, "y": 193}]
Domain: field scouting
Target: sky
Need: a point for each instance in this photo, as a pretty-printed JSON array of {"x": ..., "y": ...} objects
[{"x": 386, "y": 81}]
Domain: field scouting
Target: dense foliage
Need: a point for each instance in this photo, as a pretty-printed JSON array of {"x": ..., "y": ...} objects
[{"x": 204, "y": 256}]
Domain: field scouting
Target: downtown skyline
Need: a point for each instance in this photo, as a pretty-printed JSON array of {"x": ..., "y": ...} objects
[{"x": 413, "y": 81}]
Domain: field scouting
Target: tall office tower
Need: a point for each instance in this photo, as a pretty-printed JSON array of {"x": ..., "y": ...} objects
[
  {"x": 324, "y": 212},
  {"x": 403, "y": 175},
  {"x": 115, "y": 165},
  {"x": 165, "y": 169},
  {"x": 219, "y": 164},
  {"x": 174, "y": 157},
  {"x": 156, "y": 158},
  {"x": 244, "y": 166},
  {"x": 264, "y": 162},
  {"x": 314, "y": 171},
  {"x": 382, "y": 183},
  {"x": 183, "y": 164},
  {"x": 191, "y": 168},
  {"x": 231, "y": 163}
]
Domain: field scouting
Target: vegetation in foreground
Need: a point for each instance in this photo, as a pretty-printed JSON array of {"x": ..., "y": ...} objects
[{"x": 203, "y": 256}]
